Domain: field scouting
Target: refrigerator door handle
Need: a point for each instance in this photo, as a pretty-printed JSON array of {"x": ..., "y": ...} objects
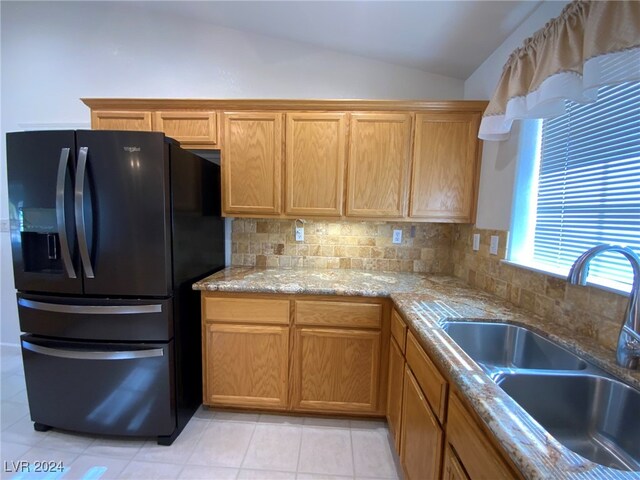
[
  {"x": 60, "y": 213},
  {"x": 79, "y": 211},
  {"x": 93, "y": 355},
  {"x": 90, "y": 309}
]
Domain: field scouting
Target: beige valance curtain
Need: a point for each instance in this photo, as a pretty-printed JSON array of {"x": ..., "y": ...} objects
[{"x": 591, "y": 43}]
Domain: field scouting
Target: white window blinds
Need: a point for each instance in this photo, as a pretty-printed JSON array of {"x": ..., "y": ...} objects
[{"x": 589, "y": 183}]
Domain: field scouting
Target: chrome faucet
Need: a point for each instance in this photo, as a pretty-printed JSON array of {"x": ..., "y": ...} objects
[{"x": 628, "y": 351}]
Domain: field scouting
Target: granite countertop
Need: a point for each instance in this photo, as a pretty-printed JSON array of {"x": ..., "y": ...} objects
[{"x": 425, "y": 302}]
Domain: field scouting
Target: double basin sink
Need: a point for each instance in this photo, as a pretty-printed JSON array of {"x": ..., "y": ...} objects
[{"x": 580, "y": 405}]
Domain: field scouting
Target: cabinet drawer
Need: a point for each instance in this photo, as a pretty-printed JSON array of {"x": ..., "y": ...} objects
[
  {"x": 433, "y": 384},
  {"x": 246, "y": 310},
  {"x": 398, "y": 330},
  {"x": 338, "y": 314},
  {"x": 480, "y": 459}
]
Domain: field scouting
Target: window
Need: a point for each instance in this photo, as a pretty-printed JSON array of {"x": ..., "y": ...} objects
[{"x": 581, "y": 187}]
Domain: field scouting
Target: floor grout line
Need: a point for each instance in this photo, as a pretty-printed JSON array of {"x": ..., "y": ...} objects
[{"x": 244, "y": 457}]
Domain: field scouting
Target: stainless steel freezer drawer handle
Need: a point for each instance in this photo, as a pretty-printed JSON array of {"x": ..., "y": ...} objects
[
  {"x": 104, "y": 355},
  {"x": 79, "y": 212},
  {"x": 91, "y": 309}
]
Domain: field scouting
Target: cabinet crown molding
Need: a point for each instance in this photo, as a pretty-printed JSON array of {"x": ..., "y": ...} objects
[{"x": 283, "y": 104}]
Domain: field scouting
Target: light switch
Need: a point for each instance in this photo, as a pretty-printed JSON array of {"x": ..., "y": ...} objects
[
  {"x": 493, "y": 247},
  {"x": 476, "y": 242},
  {"x": 299, "y": 234},
  {"x": 397, "y": 236}
]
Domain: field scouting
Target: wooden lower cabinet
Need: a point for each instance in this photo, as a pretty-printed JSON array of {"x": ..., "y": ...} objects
[
  {"x": 394, "y": 393},
  {"x": 452, "y": 469},
  {"x": 336, "y": 370},
  {"x": 246, "y": 366},
  {"x": 422, "y": 436},
  {"x": 480, "y": 458}
]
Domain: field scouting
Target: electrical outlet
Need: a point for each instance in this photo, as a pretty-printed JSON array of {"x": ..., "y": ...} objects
[
  {"x": 397, "y": 236},
  {"x": 476, "y": 242},
  {"x": 4, "y": 225},
  {"x": 299, "y": 234},
  {"x": 493, "y": 248}
]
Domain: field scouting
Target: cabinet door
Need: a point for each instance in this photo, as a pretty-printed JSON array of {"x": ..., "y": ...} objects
[
  {"x": 315, "y": 153},
  {"x": 336, "y": 370},
  {"x": 474, "y": 449},
  {"x": 378, "y": 164},
  {"x": 121, "y": 120},
  {"x": 189, "y": 128},
  {"x": 246, "y": 366},
  {"x": 394, "y": 392},
  {"x": 421, "y": 442},
  {"x": 251, "y": 163},
  {"x": 445, "y": 166},
  {"x": 452, "y": 468}
]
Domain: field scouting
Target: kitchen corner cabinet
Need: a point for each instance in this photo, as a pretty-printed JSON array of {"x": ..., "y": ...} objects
[
  {"x": 121, "y": 120},
  {"x": 314, "y": 163},
  {"x": 378, "y": 165},
  {"x": 251, "y": 163},
  {"x": 445, "y": 167}
]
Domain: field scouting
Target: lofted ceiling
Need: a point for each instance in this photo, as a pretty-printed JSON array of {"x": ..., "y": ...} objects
[{"x": 449, "y": 38}]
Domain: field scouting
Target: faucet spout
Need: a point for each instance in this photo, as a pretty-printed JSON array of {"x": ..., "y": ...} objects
[{"x": 628, "y": 351}]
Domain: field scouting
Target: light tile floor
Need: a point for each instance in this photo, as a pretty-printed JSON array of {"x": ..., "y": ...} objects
[{"x": 214, "y": 445}]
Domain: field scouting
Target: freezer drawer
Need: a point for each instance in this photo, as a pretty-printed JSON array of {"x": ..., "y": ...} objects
[
  {"x": 75, "y": 318},
  {"x": 101, "y": 388}
]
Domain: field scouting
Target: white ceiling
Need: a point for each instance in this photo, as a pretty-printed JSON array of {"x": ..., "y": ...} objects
[{"x": 445, "y": 37}]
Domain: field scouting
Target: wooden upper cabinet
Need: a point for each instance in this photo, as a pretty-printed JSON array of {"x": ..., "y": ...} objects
[
  {"x": 189, "y": 128},
  {"x": 314, "y": 159},
  {"x": 378, "y": 164},
  {"x": 251, "y": 163},
  {"x": 121, "y": 120},
  {"x": 445, "y": 167}
]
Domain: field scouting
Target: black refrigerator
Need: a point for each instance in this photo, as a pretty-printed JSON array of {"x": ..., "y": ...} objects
[{"x": 108, "y": 232}]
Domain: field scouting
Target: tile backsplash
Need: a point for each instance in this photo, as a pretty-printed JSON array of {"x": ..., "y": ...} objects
[
  {"x": 587, "y": 310},
  {"x": 425, "y": 247},
  {"x": 429, "y": 248}
]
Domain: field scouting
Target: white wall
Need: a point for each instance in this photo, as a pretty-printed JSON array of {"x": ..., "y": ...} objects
[
  {"x": 54, "y": 53},
  {"x": 499, "y": 158}
]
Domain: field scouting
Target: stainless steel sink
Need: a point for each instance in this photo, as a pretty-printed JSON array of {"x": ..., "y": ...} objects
[
  {"x": 500, "y": 345},
  {"x": 579, "y": 404},
  {"x": 595, "y": 416}
]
